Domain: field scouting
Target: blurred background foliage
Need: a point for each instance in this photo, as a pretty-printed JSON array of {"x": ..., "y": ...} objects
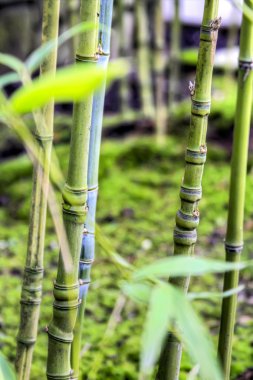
[{"x": 139, "y": 186}]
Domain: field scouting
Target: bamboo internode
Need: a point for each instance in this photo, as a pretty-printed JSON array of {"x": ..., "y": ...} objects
[{"x": 187, "y": 218}]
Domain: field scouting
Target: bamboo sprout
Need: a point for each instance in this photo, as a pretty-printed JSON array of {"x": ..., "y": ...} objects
[
  {"x": 33, "y": 273},
  {"x": 160, "y": 111},
  {"x": 88, "y": 243},
  {"x": 66, "y": 287},
  {"x": 144, "y": 59},
  {"x": 234, "y": 235},
  {"x": 187, "y": 218}
]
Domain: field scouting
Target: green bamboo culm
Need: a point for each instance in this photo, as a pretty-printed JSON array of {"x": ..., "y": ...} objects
[
  {"x": 88, "y": 242},
  {"x": 234, "y": 235},
  {"x": 33, "y": 273},
  {"x": 125, "y": 46},
  {"x": 159, "y": 62},
  {"x": 174, "y": 59},
  {"x": 144, "y": 58},
  {"x": 187, "y": 218},
  {"x": 66, "y": 287},
  {"x": 73, "y": 13}
]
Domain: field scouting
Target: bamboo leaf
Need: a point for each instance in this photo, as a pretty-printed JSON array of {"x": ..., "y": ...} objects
[
  {"x": 184, "y": 266},
  {"x": 138, "y": 292},
  {"x": 9, "y": 78},
  {"x": 195, "y": 336},
  {"x": 211, "y": 295},
  {"x": 6, "y": 371},
  {"x": 108, "y": 249},
  {"x": 12, "y": 62},
  {"x": 37, "y": 57},
  {"x": 161, "y": 312},
  {"x": 71, "y": 83}
]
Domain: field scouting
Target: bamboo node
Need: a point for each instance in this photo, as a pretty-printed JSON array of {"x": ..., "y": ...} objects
[
  {"x": 233, "y": 248},
  {"x": 203, "y": 148},
  {"x": 247, "y": 66},
  {"x": 192, "y": 87},
  {"x": 216, "y": 23},
  {"x": 196, "y": 213}
]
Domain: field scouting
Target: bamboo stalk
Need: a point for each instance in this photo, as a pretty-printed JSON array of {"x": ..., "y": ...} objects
[
  {"x": 144, "y": 58},
  {"x": 66, "y": 287},
  {"x": 33, "y": 273},
  {"x": 73, "y": 10},
  {"x": 159, "y": 48},
  {"x": 234, "y": 235},
  {"x": 174, "y": 61},
  {"x": 123, "y": 51},
  {"x": 187, "y": 218},
  {"x": 88, "y": 242}
]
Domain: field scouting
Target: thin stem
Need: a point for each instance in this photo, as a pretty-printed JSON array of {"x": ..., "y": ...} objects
[
  {"x": 187, "y": 218},
  {"x": 33, "y": 274},
  {"x": 234, "y": 236}
]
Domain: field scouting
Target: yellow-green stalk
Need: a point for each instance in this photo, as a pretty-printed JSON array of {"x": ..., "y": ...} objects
[
  {"x": 33, "y": 273},
  {"x": 66, "y": 287},
  {"x": 159, "y": 49},
  {"x": 234, "y": 235},
  {"x": 174, "y": 61},
  {"x": 144, "y": 58},
  {"x": 187, "y": 218},
  {"x": 124, "y": 29}
]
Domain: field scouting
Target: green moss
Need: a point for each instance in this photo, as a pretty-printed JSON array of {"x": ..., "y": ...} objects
[{"x": 138, "y": 199}]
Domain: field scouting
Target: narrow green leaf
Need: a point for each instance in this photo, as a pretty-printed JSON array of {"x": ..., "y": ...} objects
[
  {"x": 108, "y": 249},
  {"x": 160, "y": 314},
  {"x": 195, "y": 336},
  {"x": 69, "y": 84},
  {"x": 11, "y": 62},
  {"x": 184, "y": 266},
  {"x": 37, "y": 57},
  {"x": 138, "y": 292},
  {"x": 6, "y": 371},
  {"x": 211, "y": 295},
  {"x": 9, "y": 78}
]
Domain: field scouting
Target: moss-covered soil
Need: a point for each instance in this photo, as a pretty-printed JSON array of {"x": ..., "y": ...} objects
[{"x": 139, "y": 186}]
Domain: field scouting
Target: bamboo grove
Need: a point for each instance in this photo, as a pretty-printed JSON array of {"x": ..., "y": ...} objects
[{"x": 92, "y": 49}]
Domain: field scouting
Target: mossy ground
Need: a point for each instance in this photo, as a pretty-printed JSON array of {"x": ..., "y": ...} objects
[{"x": 138, "y": 199}]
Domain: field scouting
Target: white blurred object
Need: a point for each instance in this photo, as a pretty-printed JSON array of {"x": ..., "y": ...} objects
[
  {"x": 191, "y": 12},
  {"x": 227, "y": 58}
]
